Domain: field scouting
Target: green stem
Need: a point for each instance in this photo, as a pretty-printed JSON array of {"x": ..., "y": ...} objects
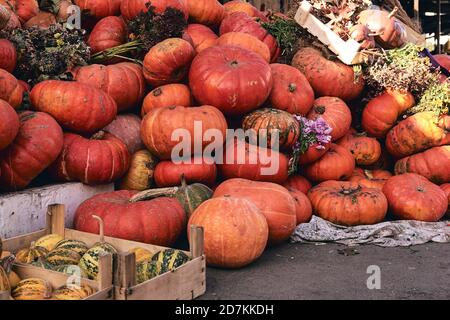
[{"x": 117, "y": 51}]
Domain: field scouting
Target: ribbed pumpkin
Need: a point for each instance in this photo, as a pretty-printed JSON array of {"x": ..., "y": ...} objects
[
  {"x": 62, "y": 256},
  {"x": 236, "y": 231},
  {"x": 314, "y": 152},
  {"x": 99, "y": 160},
  {"x": 42, "y": 20},
  {"x": 89, "y": 262},
  {"x": 202, "y": 36},
  {"x": 246, "y": 79},
  {"x": 208, "y": 12},
  {"x": 335, "y": 112},
  {"x": 169, "y": 95},
  {"x": 140, "y": 176},
  {"x": 299, "y": 183},
  {"x": 268, "y": 121},
  {"x": 10, "y": 89},
  {"x": 303, "y": 208},
  {"x": 242, "y": 160},
  {"x": 167, "y": 260},
  {"x": 99, "y": 8},
  {"x": 413, "y": 197},
  {"x": 198, "y": 169},
  {"x": 274, "y": 201},
  {"x": 75, "y": 245},
  {"x": 32, "y": 289},
  {"x": 26, "y": 9},
  {"x": 8, "y": 132},
  {"x": 37, "y": 145},
  {"x": 370, "y": 178},
  {"x": 109, "y": 32},
  {"x": 382, "y": 112},
  {"x": 49, "y": 241},
  {"x": 8, "y": 55},
  {"x": 73, "y": 293},
  {"x": 418, "y": 133},
  {"x": 365, "y": 150},
  {"x": 8, "y": 19},
  {"x": 291, "y": 90},
  {"x": 245, "y": 41},
  {"x": 131, "y": 8},
  {"x": 159, "y": 221},
  {"x": 446, "y": 188},
  {"x": 328, "y": 78},
  {"x": 239, "y": 6},
  {"x": 168, "y": 61},
  {"x": 127, "y": 128},
  {"x": 76, "y": 106},
  {"x": 159, "y": 124},
  {"x": 433, "y": 164},
  {"x": 241, "y": 22},
  {"x": 348, "y": 203},
  {"x": 337, "y": 164},
  {"x": 29, "y": 255},
  {"x": 124, "y": 82}
]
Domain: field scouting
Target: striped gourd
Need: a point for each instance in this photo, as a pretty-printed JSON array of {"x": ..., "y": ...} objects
[
  {"x": 62, "y": 256},
  {"x": 168, "y": 260},
  {"x": 32, "y": 289},
  {"x": 106, "y": 246},
  {"x": 14, "y": 279},
  {"x": 75, "y": 245},
  {"x": 72, "y": 292},
  {"x": 42, "y": 263},
  {"x": 141, "y": 254},
  {"x": 4, "y": 280},
  {"x": 70, "y": 270},
  {"x": 144, "y": 270},
  {"x": 49, "y": 241},
  {"x": 90, "y": 260},
  {"x": 29, "y": 255}
]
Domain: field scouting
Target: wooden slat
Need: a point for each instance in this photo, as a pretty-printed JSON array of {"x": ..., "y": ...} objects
[
  {"x": 20, "y": 242},
  {"x": 105, "y": 272},
  {"x": 56, "y": 219},
  {"x": 127, "y": 270},
  {"x": 196, "y": 241}
]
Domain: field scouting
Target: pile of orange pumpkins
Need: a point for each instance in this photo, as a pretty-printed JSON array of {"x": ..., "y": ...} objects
[{"x": 115, "y": 122}]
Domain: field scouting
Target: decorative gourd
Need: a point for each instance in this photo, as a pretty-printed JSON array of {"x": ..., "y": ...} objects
[
  {"x": 382, "y": 112},
  {"x": 89, "y": 262},
  {"x": 141, "y": 254},
  {"x": 70, "y": 270},
  {"x": 202, "y": 36},
  {"x": 267, "y": 121},
  {"x": 433, "y": 164},
  {"x": 76, "y": 160},
  {"x": 49, "y": 242},
  {"x": 328, "y": 78},
  {"x": 169, "y": 95},
  {"x": 274, "y": 201},
  {"x": 99, "y": 8},
  {"x": 35, "y": 147},
  {"x": 370, "y": 178},
  {"x": 208, "y": 12},
  {"x": 140, "y": 176},
  {"x": 446, "y": 188},
  {"x": 109, "y": 32},
  {"x": 299, "y": 183},
  {"x": 254, "y": 163},
  {"x": 159, "y": 124},
  {"x": 75, "y": 245},
  {"x": 413, "y": 197},
  {"x": 348, "y": 203},
  {"x": 291, "y": 90},
  {"x": 235, "y": 231},
  {"x": 303, "y": 208},
  {"x": 144, "y": 270},
  {"x": 72, "y": 293},
  {"x": 124, "y": 82},
  {"x": 241, "y": 22},
  {"x": 5, "y": 270},
  {"x": 14, "y": 279},
  {"x": 131, "y": 8},
  {"x": 42, "y": 263},
  {"x": 167, "y": 260},
  {"x": 8, "y": 55},
  {"x": 29, "y": 255},
  {"x": 62, "y": 256},
  {"x": 76, "y": 106},
  {"x": 418, "y": 133},
  {"x": 159, "y": 221},
  {"x": 10, "y": 89},
  {"x": 337, "y": 164},
  {"x": 8, "y": 132},
  {"x": 365, "y": 150},
  {"x": 127, "y": 127},
  {"x": 245, "y": 41},
  {"x": 168, "y": 61},
  {"x": 335, "y": 112},
  {"x": 32, "y": 289}
]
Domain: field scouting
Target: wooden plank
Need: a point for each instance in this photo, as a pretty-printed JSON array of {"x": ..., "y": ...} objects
[
  {"x": 20, "y": 242},
  {"x": 127, "y": 270},
  {"x": 196, "y": 241},
  {"x": 105, "y": 272},
  {"x": 56, "y": 219}
]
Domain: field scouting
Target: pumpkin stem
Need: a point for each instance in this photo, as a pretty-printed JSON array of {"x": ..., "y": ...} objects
[
  {"x": 157, "y": 92},
  {"x": 393, "y": 12},
  {"x": 153, "y": 193},
  {"x": 183, "y": 181},
  {"x": 292, "y": 87},
  {"x": 99, "y": 135},
  {"x": 184, "y": 187},
  {"x": 319, "y": 109},
  {"x": 234, "y": 63},
  {"x": 101, "y": 227}
]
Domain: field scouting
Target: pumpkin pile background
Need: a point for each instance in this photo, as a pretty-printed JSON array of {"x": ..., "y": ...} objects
[{"x": 114, "y": 122}]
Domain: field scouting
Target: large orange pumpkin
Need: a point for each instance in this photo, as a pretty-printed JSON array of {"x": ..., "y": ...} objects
[
  {"x": 382, "y": 112},
  {"x": 127, "y": 127},
  {"x": 446, "y": 188},
  {"x": 169, "y": 95},
  {"x": 131, "y": 8},
  {"x": 418, "y": 133},
  {"x": 100, "y": 8},
  {"x": 240, "y": 6},
  {"x": 337, "y": 164},
  {"x": 36, "y": 146},
  {"x": 208, "y": 12},
  {"x": 160, "y": 221},
  {"x": 413, "y": 197},
  {"x": 274, "y": 201},
  {"x": 299, "y": 183},
  {"x": 197, "y": 169},
  {"x": 433, "y": 164},
  {"x": 348, "y": 203},
  {"x": 370, "y": 178},
  {"x": 243, "y": 160},
  {"x": 246, "y": 41},
  {"x": 99, "y": 160},
  {"x": 303, "y": 208},
  {"x": 8, "y": 55},
  {"x": 245, "y": 79},
  {"x": 291, "y": 90},
  {"x": 236, "y": 231},
  {"x": 202, "y": 36},
  {"x": 10, "y": 124},
  {"x": 124, "y": 82},
  {"x": 365, "y": 150},
  {"x": 109, "y": 32},
  {"x": 10, "y": 89},
  {"x": 335, "y": 112},
  {"x": 159, "y": 125},
  {"x": 328, "y": 78},
  {"x": 76, "y": 106},
  {"x": 241, "y": 22},
  {"x": 168, "y": 61}
]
